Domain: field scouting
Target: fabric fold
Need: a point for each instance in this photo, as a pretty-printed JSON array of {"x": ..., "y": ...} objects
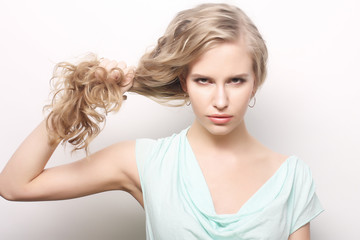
[{"x": 178, "y": 202}]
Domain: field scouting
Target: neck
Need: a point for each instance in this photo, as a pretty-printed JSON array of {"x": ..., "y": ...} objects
[{"x": 237, "y": 139}]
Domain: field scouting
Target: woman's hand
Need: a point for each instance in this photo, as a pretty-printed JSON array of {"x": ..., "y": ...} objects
[
  {"x": 24, "y": 177},
  {"x": 116, "y": 72}
]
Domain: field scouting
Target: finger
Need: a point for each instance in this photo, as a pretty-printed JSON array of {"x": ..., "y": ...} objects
[
  {"x": 121, "y": 65},
  {"x": 127, "y": 69},
  {"x": 126, "y": 88},
  {"x": 104, "y": 62},
  {"x": 129, "y": 75},
  {"x": 108, "y": 64},
  {"x": 116, "y": 69},
  {"x": 115, "y": 74},
  {"x": 100, "y": 73},
  {"x": 112, "y": 64}
]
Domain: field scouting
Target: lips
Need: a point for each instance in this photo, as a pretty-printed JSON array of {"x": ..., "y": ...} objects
[{"x": 220, "y": 118}]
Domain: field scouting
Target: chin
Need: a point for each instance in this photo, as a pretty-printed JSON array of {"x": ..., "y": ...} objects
[{"x": 220, "y": 130}]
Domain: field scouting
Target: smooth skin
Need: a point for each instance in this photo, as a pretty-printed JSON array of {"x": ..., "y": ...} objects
[{"x": 219, "y": 84}]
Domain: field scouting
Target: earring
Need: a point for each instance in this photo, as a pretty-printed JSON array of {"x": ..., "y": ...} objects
[
  {"x": 252, "y": 105},
  {"x": 187, "y": 100}
]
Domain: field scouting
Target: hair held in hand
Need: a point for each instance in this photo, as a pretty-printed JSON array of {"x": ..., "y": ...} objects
[
  {"x": 80, "y": 102},
  {"x": 85, "y": 93}
]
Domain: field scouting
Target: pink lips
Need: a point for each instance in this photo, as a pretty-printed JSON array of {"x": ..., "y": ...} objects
[{"x": 220, "y": 118}]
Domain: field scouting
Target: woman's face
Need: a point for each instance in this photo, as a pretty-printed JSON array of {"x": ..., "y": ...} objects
[{"x": 220, "y": 84}]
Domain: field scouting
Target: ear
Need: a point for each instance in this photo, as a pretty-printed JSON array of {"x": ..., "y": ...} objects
[
  {"x": 182, "y": 79},
  {"x": 253, "y": 93},
  {"x": 255, "y": 88}
]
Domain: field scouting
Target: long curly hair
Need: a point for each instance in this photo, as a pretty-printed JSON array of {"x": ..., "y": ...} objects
[{"x": 82, "y": 98}]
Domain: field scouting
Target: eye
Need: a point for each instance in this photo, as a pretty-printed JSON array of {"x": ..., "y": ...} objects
[
  {"x": 237, "y": 80},
  {"x": 202, "y": 80}
]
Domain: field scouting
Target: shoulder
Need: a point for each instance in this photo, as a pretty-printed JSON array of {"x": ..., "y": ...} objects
[
  {"x": 299, "y": 167},
  {"x": 303, "y": 200},
  {"x": 300, "y": 179},
  {"x": 146, "y": 146},
  {"x": 270, "y": 160}
]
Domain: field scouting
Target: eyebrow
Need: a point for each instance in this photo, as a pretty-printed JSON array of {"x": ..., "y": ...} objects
[{"x": 197, "y": 75}]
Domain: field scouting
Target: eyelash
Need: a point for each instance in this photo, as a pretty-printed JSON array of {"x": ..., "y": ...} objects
[
  {"x": 237, "y": 80},
  {"x": 231, "y": 81},
  {"x": 202, "y": 80}
]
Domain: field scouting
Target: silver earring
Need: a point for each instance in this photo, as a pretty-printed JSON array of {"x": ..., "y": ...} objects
[
  {"x": 187, "y": 100},
  {"x": 253, "y": 104}
]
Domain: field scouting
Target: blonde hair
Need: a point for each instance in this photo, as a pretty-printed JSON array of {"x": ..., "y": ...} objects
[{"x": 81, "y": 100}]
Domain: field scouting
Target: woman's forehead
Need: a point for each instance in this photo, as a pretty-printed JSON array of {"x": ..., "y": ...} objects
[{"x": 225, "y": 55}]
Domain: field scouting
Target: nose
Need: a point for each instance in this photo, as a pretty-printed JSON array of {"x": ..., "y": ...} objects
[{"x": 221, "y": 99}]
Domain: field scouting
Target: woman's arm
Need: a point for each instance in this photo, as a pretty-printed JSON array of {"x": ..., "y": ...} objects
[
  {"x": 24, "y": 177},
  {"x": 302, "y": 233}
]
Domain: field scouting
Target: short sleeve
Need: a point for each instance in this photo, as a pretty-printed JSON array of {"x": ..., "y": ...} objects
[
  {"x": 306, "y": 205},
  {"x": 144, "y": 148}
]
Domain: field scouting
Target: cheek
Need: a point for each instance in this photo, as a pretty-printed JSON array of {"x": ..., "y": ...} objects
[
  {"x": 198, "y": 102},
  {"x": 198, "y": 95},
  {"x": 239, "y": 102},
  {"x": 241, "y": 94}
]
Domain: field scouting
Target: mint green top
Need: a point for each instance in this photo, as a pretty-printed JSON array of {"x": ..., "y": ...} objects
[{"x": 178, "y": 204}]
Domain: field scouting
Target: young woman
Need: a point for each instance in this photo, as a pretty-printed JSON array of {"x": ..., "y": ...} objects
[{"x": 212, "y": 180}]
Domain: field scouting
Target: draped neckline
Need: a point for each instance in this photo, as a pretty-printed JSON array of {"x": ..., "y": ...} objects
[{"x": 202, "y": 195}]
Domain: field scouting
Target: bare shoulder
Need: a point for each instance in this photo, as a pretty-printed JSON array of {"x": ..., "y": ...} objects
[
  {"x": 269, "y": 159},
  {"x": 277, "y": 158},
  {"x": 269, "y": 162}
]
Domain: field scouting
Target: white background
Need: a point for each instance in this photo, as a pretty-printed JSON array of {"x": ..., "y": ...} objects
[{"x": 309, "y": 105}]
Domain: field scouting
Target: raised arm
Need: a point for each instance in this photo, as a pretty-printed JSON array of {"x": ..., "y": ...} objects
[{"x": 24, "y": 176}]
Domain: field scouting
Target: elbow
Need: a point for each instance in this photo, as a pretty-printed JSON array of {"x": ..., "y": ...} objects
[
  {"x": 13, "y": 196},
  {"x": 9, "y": 192},
  {"x": 8, "y": 196},
  {"x": 5, "y": 193},
  {"x": 18, "y": 193}
]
